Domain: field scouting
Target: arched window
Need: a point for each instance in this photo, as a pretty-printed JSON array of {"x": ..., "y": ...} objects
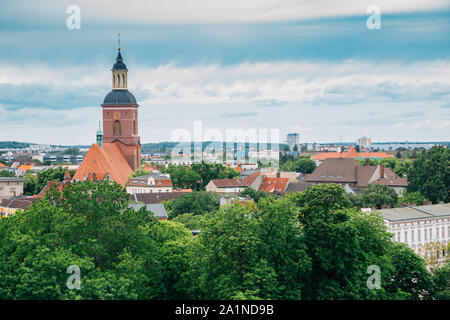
[{"x": 116, "y": 127}]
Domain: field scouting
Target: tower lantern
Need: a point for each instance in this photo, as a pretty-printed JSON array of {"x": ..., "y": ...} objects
[{"x": 119, "y": 72}]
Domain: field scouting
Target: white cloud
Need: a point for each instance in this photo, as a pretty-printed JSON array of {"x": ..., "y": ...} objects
[
  {"x": 212, "y": 11},
  {"x": 324, "y": 100}
]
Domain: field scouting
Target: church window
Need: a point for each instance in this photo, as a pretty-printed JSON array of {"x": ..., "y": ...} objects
[{"x": 117, "y": 127}]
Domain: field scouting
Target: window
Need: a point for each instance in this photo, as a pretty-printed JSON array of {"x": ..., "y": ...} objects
[
  {"x": 412, "y": 236},
  {"x": 437, "y": 232},
  {"x": 418, "y": 235},
  {"x": 406, "y": 236},
  {"x": 398, "y": 236},
  {"x": 116, "y": 127}
]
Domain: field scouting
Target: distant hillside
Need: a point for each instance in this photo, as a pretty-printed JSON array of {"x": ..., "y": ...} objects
[
  {"x": 14, "y": 144},
  {"x": 161, "y": 147}
]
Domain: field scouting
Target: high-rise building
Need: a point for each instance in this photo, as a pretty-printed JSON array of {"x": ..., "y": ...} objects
[
  {"x": 363, "y": 142},
  {"x": 292, "y": 140}
]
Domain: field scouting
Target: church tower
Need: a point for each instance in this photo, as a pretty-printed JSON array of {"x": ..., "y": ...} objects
[{"x": 120, "y": 115}]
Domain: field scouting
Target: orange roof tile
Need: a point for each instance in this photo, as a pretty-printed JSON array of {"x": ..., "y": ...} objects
[
  {"x": 24, "y": 167},
  {"x": 350, "y": 153},
  {"x": 108, "y": 160},
  {"x": 274, "y": 184}
]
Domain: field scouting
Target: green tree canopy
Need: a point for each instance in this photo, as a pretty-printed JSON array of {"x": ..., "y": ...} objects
[
  {"x": 376, "y": 195},
  {"x": 430, "y": 174},
  {"x": 196, "y": 202}
]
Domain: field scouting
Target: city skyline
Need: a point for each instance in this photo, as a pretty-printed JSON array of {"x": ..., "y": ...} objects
[{"x": 321, "y": 73}]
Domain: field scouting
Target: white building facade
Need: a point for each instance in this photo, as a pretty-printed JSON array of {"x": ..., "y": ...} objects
[{"x": 418, "y": 226}]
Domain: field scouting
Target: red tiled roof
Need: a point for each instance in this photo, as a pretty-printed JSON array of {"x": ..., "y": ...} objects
[
  {"x": 351, "y": 153},
  {"x": 242, "y": 182},
  {"x": 59, "y": 185},
  {"x": 108, "y": 160},
  {"x": 274, "y": 184},
  {"x": 248, "y": 180}
]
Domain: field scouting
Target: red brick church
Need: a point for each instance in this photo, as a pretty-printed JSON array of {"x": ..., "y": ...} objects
[{"x": 117, "y": 152}]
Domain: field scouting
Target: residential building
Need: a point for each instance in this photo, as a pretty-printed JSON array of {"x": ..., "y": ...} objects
[
  {"x": 151, "y": 183},
  {"x": 274, "y": 185},
  {"x": 11, "y": 187},
  {"x": 292, "y": 141},
  {"x": 363, "y": 142},
  {"x": 354, "y": 177},
  {"x": 418, "y": 225},
  {"x": 10, "y": 206},
  {"x": 291, "y": 176},
  {"x": 253, "y": 181}
]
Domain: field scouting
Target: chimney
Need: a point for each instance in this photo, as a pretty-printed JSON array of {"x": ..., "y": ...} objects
[
  {"x": 381, "y": 171},
  {"x": 367, "y": 162}
]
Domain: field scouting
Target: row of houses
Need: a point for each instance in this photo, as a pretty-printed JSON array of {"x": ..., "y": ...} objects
[{"x": 347, "y": 172}]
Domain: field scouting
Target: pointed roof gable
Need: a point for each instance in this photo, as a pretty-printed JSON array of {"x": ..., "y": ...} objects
[{"x": 103, "y": 162}]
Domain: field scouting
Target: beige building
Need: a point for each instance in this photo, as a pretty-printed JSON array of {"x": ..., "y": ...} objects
[
  {"x": 11, "y": 187},
  {"x": 152, "y": 183}
]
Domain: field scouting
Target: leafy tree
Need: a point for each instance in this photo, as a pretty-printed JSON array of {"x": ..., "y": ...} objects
[
  {"x": 191, "y": 221},
  {"x": 410, "y": 274},
  {"x": 53, "y": 174},
  {"x": 251, "y": 255},
  {"x": 198, "y": 175},
  {"x": 184, "y": 177},
  {"x": 375, "y": 196},
  {"x": 70, "y": 151},
  {"x": 196, "y": 202},
  {"x": 253, "y": 194},
  {"x": 441, "y": 280},
  {"x": 402, "y": 167},
  {"x": 139, "y": 172},
  {"x": 430, "y": 174},
  {"x": 412, "y": 197},
  {"x": 301, "y": 164},
  {"x": 7, "y": 174},
  {"x": 342, "y": 244},
  {"x": 122, "y": 253},
  {"x": 30, "y": 186},
  {"x": 372, "y": 162}
]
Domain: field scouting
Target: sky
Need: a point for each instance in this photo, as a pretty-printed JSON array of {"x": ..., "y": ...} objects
[{"x": 312, "y": 67}]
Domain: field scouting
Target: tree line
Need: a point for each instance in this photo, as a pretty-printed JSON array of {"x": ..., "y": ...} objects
[{"x": 307, "y": 245}]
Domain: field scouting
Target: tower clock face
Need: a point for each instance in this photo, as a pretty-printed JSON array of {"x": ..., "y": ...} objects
[{"x": 116, "y": 115}]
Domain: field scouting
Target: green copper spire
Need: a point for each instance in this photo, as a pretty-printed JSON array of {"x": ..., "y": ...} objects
[{"x": 100, "y": 135}]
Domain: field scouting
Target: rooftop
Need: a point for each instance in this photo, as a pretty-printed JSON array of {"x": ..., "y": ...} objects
[{"x": 416, "y": 212}]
